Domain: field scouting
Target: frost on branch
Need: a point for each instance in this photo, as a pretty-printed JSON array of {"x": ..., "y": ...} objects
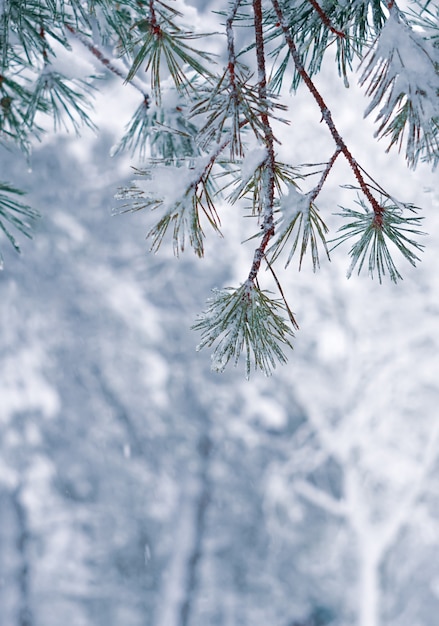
[
  {"x": 403, "y": 80},
  {"x": 14, "y": 213},
  {"x": 160, "y": 131},
  {"x": 64, "y": 100},
  {"x": 299, "y": 220},
  {"x": 245, "y": 319}
]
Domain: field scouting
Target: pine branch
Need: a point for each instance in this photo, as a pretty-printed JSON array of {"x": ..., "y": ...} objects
[
  {"x": 316, "y": 26},
  {"x": 247, "y": 319},
  {"x": 64, "y": 100},
  {"x": 318, "y": 188},
  {"x": 109, "y": 65},
  {"x": 402, "y": 73},
  {"x": 180, "y": 209},
  {"x": 270, "y": 162},
  {"x": 236, "y": 148},
  {"x": 326, "y": 115},
  {"x": 372, "y": 242},
  {"x": 374, "y": 228},
  {"x": 161, "y": 39},
  {"x": 15, "y": 214},
  {"x": 300, "y": 218},
  {"x": 325, "y": 19}
]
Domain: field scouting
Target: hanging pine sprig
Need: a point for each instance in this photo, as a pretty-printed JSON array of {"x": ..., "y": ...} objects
[
  {"x": 161, "y": 40},
  {"x": 65, "y": 101},
  {"x": 14, "y": 214},
  {"x": 180, "y": 194},
  {"x": 299, "y": 222},
  {"x": 247, "y": 320},
  {"x": 224, "y": 125},
  {"x": 402, "y": 77},
  {"x": 375, "y": 235}
]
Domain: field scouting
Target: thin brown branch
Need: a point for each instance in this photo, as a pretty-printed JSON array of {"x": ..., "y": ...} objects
[
  {"x": 325, "y": 19},
  {"x": 324, "y": 176},
  {"x": 96, "y": 52},
  {"x": 155, "y": 27},
  {"x": 327, "y": 117},
  {"x": 231, "y": 40},
  {"x": 231, "y": 66},
  {"x": 269, "y": 181}
]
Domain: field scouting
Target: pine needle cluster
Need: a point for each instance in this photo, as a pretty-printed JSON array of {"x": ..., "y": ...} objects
[{"x": 207, "y": 121}]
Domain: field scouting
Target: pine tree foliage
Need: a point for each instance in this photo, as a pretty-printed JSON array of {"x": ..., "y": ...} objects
[
  {"x": 376, "y": 233},
  {"x": 14, "y": 213},
  {"x": 204, "y": 129},
  {"x": 402, "y": 79},
  {"x": 248, "y": 318}
]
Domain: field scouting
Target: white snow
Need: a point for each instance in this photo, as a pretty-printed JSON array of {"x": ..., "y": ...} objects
[
  {"x": 171, "y": 183},
  {"x": 71, "y": 63},
  {"x": 126, "y": 298},
  {"x": 252, "y": 160},
  {"x": 24, "y": 386},
  {"x": 292, "y": 203},
  {"x": 412, "y": 67}
]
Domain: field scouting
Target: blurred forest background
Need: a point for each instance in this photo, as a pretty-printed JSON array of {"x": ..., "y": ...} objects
[{"x": 137, "y": 488}]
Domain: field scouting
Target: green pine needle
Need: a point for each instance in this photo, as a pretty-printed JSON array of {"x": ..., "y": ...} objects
[
  {"x": 301, "y": 223},
  {"x": 247, "y": 319},
  {"x": 158, "y": 45},
  {"x": 64, "y": 100},
  {"x": 164, "y": 132},
  {"x": 182, "y": 213},
  {"x": 374, "y": 236},
  {"x": 16, "y": 214}
]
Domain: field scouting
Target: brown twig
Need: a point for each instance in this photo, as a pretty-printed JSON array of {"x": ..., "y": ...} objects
[
  {"x": 324, "y": 176},
  {"x": 155, "y": 27},
  {"x": 269, "y": 182},
  {"x": 96, "y": 52},
  {"x": 325, "y": 19},
  {"x": 231, "y": 67},
  {"x": 327, "y": 117},
  {"x": 231, "y": 45}
]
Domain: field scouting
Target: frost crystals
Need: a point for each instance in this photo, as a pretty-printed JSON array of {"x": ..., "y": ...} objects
[{"x": 179, "y": 193}]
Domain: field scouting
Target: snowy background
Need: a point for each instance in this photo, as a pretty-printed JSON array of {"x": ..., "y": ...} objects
[{"x": 137, "y": 487}]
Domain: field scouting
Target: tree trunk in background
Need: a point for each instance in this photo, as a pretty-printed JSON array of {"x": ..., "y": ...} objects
[
  {"x": 180, "y": 585},
  {"x": 369, "y": 588},
  {"x": 24, "y": 617},
  {"x": 9, "y": 561}
]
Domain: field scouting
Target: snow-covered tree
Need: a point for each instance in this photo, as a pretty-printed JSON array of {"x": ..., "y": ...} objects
[
  {"x": 105, "y": 410},
  {"x": 362, "y": 467},
  {"x": 213, "y": 108}
]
